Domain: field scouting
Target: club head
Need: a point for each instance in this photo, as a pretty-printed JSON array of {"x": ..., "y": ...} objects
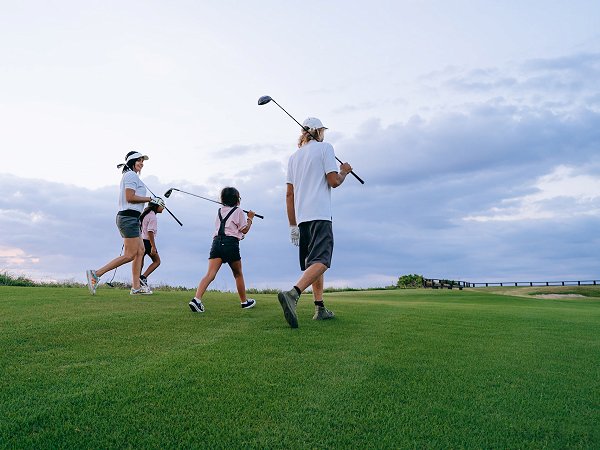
[
  {"x": 168, "y": 193},
  {"x": 264, "y": 100}
]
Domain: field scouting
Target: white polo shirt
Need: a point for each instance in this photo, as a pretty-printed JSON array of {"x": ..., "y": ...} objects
[
  {"x": 131, "y": 180},
  {"x": 307, "y": 172}
]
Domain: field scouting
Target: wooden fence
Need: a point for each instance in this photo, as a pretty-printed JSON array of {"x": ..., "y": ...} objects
[{"x": 434, "y": 283}]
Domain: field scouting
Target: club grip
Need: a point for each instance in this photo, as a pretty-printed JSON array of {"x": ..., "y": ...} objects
[
  {"x": 255, "y": 215},
  {"x": 358, "y": 178},
  {"x": 173, "y": 215},
  {"x": 352, "y": 172}
]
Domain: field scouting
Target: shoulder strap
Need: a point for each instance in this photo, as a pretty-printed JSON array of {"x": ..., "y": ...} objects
[{"x": 223, "y": 221}]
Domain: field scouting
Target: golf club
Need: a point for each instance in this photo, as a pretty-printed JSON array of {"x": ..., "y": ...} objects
[
  {"x": 172, "y": 215},
  {"x": 170, "y": 191},
  {"x": 266, "y": 99},
  {"x": 110, "y": 283}
]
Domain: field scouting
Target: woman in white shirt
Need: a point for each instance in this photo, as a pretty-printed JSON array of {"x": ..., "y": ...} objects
[{"x": 131, "y": 204}]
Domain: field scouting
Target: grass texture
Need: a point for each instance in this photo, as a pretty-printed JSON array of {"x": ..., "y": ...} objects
[{"x": 394, "y": 369}]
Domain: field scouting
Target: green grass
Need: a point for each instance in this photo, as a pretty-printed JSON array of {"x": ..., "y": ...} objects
[{"x": 395, "y": 369}]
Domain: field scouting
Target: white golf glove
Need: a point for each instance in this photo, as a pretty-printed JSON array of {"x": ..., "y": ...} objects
[
  {"x": 295, "y": 235},
  {"x": 158, "y": 201}
]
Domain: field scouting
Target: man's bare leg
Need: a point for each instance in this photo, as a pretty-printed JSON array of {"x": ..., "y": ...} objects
[{"x": 312, "y": 274}]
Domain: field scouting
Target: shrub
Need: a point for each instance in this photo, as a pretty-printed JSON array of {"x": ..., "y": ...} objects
[
  {"x": 410, "y": 281},
  {"x": 7, "y": 279}
]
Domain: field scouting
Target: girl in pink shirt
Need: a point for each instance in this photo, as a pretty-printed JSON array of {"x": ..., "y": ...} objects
[
  {"x": 230, "y": 227},
  {"x": 149, "y": 226}
]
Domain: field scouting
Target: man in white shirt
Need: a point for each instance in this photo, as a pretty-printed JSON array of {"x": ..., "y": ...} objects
[{"x": 312, "y": 172}]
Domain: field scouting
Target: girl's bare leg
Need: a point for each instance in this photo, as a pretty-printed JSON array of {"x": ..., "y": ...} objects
[
  {"x": 236, "y": 268},
  {"x": 213, "y": 267},
  {"x": 152, "y": 267}
]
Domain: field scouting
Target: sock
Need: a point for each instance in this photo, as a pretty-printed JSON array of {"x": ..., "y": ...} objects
[
  {"x": 319, "y": 303},
  {"x": 142, "y": 277},
  {"x": 298, "y": 290},
  {"x": 199, "y": 300}
]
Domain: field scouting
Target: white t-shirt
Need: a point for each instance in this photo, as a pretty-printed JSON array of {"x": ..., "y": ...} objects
[
  {"x": 307, "y": 172},
  {"x": 131, "y": 180}
]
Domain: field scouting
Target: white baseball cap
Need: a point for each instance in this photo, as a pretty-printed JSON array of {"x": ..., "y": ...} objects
[
  {"x": 136, "y": 155},
  {"x": 313, "y": 123}
]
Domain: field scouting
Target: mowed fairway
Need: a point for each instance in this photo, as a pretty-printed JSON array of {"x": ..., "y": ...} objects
[{"x": 395, "y": 369}]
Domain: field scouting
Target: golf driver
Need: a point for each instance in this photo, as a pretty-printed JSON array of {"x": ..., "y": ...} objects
[
  {"x": 170, "y": 191},
  {"x": 266, "y": 99},
  {"x": 172, "y": 215}
]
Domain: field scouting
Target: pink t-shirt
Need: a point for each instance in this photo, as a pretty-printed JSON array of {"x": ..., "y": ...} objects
[
  {"x": 150, "y": 223},
  {"x": 233, "y": 225}
]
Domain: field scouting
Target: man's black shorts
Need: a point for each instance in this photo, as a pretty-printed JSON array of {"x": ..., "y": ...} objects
[
  {"x": 225, "y": 247},
  {"x": 316, "y": 243}
]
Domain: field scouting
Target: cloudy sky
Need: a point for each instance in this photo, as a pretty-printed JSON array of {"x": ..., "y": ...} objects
[{"x": 475, "y": 124}]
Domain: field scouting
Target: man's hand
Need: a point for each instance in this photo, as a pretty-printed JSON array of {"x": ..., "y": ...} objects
[
  {"x": 295, "y": 235},
  {"x": 345, "y": 169}
]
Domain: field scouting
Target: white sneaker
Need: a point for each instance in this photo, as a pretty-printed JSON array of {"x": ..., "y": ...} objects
[
  {"x": 143, "y": 290},
  {"x": 92, "y": 280}
]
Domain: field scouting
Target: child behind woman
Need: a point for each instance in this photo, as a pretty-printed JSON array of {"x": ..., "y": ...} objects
[
  {"x": 230, "y": 227},
  {"x": 149, "y": 226}
]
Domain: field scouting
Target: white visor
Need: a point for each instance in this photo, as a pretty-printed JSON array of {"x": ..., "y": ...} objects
[{"x": 136, "y": 155}]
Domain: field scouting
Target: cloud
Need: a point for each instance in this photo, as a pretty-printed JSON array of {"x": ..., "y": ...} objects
[
  {"x": 16, "y": 257},
  {"x": 562, "y": 194},
  {"x": 500, "y": 185}
]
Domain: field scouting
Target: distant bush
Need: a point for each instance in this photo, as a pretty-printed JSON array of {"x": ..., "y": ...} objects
[
  {"x": 7, "y": 279},
  {"x": 410, "y": 281},
  {"x": 262, "y": 291}
]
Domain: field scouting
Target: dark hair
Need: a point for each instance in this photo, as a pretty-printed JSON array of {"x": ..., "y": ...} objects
[
  {"x": 230, "y": 196},
  {"x": 129, "y": 165},
  {"x": 151, "y": 207}
]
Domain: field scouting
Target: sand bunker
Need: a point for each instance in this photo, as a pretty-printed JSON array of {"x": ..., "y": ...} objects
[{"x": 559, "y": 296}]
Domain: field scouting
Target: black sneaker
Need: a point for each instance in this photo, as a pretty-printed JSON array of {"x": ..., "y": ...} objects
[
  {"x": 322, "y": 313},
  {"x": 143, "y": 280},
  {"x": 249, "y": 303},
  {"x": 288, "y": 301},
  {"x": 196, "y": 305}
]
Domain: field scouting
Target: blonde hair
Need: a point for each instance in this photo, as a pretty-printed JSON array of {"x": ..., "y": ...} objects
[{"x": 306, "y": 137}]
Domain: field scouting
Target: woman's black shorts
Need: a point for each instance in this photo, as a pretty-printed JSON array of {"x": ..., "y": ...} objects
[
  {"x": 128, "y": 223},
  {"x": 225, "y": 247}
]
